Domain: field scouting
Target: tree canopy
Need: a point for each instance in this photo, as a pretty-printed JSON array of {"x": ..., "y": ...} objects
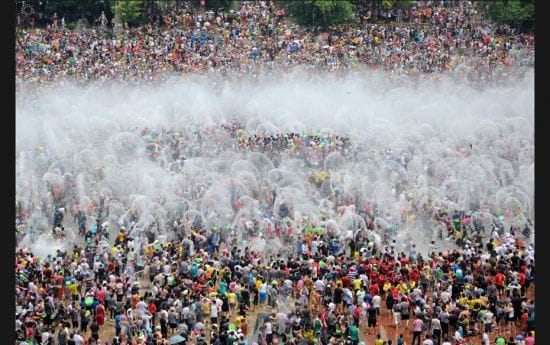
[
  {"x": 322, "y": 13},
  {"x": 517, "y": 13},
  {"x": 72, "y": 10}
]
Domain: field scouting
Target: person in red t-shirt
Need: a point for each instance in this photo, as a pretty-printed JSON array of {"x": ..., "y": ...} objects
[
  {"x": 521, "y": 281},
  {"x": 523, "y": 319},
  {"x": 153, "y": 310},
  {"x": 100, "y": 314},
  {"x": 374, "y": 289},
  {"x": 500, "y": 279}
]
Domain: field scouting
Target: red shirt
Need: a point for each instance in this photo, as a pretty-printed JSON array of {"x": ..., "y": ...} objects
[
  {"x": 414, "y": 275},
  {"x": 521, "y": 277},
  {"x": 374, "y": 276},
  {"x": 152, "y": 308},
  {"x": 374, "y": 289},
  {"x": 346, "y": 281},
  {"x": 381, "y": 280},
  {"x": 499, "y": 279},
  {"x": 395, "y": 293}
]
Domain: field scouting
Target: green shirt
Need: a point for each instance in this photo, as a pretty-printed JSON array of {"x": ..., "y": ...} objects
[
  {"x": 500, "y": 341},
  {"x": 354, "y": 333}
]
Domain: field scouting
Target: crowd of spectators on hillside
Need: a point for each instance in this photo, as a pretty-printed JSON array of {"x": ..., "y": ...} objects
[{"x": 260, "y": 39}]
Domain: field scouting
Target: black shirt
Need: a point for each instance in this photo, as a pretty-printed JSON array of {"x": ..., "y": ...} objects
[{"x": 372, "y": 313}]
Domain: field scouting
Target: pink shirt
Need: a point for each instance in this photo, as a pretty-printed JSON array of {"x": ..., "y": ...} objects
[
  {"x": 418, "y": 325},
  {"x": 530, "y": 341}
]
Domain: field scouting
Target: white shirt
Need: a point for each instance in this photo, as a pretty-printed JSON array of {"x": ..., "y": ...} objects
[
  {"x": 376, "y": 301},
  {"x": 485, "y": 339},
  {"x": 213, "y": 310},
  {"x": 78, "y": 340},
  {"x": 428, "y": 342},
  {"x": 141, "y": 306},
  {"x": 489, "y": 316},
  {"x": 364, "y": 278},
  {"x": 436, "y": 324},
  {"x": 268, "y": 328},
  {"x": 45, "y": 337}
]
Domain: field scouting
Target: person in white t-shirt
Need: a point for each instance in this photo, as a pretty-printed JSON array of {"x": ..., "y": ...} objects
[
  {"x": 78, "y": 340},
  {"x": 376, "y": 299},
  {"x": 485, "y": 340},
  {"x": 214, "y": 313},
  {"x": 428, "y": 340}
]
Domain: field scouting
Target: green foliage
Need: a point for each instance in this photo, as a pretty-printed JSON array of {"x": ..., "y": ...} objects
[
  {"x": 213, "y": 4},
  {"x": 321, "y": 12},
  {"x": 388, "y": 4},
  {"x": 405, "y": 4},
  {"x": 73, "y": 10},
  {"x": 517, "y": 13},
  {"x": 131, "y": 12},
  {"x": 231, "y": 16},
  {"x": 71, "y": 26}
]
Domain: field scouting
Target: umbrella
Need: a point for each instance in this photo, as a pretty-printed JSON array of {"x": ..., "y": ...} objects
[{"x": 177, "y": 339}]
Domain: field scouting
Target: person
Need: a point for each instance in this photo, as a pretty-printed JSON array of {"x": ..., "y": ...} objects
[
  {"x": 94, "y": 327},
  {"x": 428, "y": 340},
  {"x": 401, "y": 340},
  {"x": 78, "y": 339},
  {"x": 396, "y": 314},
  {"x": 371, "y": 320},
  {"x": 63, "y": 335},
  {"x": 100, "y": 314},
  {"x": 417, "y": 331},
  {"x": 354, "y": 334},
  {"x": 530, "y": 338},
  {"x": 435, "y": 326},
  {"x": 485, "y": 340},
  {"x": 500, "y": 340},
  {"x": 405, "y": 312}
]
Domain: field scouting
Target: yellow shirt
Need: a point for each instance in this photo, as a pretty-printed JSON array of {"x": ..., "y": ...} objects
[
  {"x": 258, "y": 283},
  {"x": 357, "y": 284},
  {"x": 231, "y": 297},
  {"x": 474, "y": 301},
  {"x": 463, "y": 300},
  {"x": 74, "y": 289},
  {"x": 238, "y": 321},
  {"x": 387, "y": 286}
]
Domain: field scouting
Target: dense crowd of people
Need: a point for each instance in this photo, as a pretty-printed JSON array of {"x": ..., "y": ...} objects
[
  {"x": 308, "y": 283},
  {"x": 262, "y": 40},
  {"x": 202, "y": 287},
  {"x": 205, "y": 291}
]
